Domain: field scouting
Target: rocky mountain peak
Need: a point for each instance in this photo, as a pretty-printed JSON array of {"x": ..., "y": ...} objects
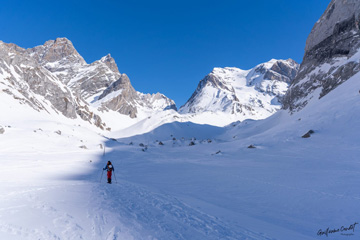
[
  {"x": 110, "y": 62},
  {"x": 59, "y": 50}
]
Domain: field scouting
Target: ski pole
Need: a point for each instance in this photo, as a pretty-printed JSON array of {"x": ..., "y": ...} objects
[
  {"x": 115, "y": 177},
  {"x": 101, "y": 174}
]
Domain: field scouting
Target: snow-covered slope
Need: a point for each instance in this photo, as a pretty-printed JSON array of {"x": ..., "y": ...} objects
[
  {"x": 250, "y": 94},
  {"x": 287, "y": 187}
]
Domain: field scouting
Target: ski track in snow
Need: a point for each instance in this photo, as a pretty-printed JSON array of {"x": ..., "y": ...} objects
[
  {"x": 139, "y": 214},
  {"x": 166, "y": 216}
]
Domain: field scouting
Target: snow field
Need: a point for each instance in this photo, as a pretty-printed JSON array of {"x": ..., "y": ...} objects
[{"x": 287, "y": 187}]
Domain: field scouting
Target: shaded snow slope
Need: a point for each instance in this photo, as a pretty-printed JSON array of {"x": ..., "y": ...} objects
[{"x": 171, "y": 133}]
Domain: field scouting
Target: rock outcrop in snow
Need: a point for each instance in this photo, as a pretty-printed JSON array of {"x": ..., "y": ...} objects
[
  {"x": 255, "y": 93},
  {"x": 331, "y": 54}
]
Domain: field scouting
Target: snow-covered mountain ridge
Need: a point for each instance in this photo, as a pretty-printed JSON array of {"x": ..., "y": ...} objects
[
  {"x": 249, "y": 94},
  {"x": 55, "y": 78},
  {"x": 23, "y": 78},
  {"x": 62, "y": 81}
]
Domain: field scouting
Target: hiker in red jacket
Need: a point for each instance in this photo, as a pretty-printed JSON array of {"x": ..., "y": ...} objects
[{"x": 109, "y": 167}]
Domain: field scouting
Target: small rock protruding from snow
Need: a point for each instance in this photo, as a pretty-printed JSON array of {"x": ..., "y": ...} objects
[
  {"x": 251, "y": 146},
  {"x": 2, "y": 130},
  {"x": 308, "y": 134},
  {"x": 218, "y": 152},
  {"x": 145, "y": 148}
]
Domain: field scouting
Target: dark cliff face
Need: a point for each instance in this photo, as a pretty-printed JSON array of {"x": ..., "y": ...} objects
[
  {"x": 125, "y": 101},
  {"x": 334, "y": 39}
]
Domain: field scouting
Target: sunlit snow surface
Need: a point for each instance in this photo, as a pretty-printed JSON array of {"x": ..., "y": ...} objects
[{"x": 287, "y": 187}]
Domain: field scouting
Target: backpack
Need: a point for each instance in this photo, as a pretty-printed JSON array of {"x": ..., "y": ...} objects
[{"x": 110, "y": 167}]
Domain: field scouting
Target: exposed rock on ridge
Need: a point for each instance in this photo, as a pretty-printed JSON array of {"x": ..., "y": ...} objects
[
  {"x": 60, "y": 49},
  {"x": 123, "y": 101},
  {"x": 110, "y": 62},
  {"x": 23, "y": 74},
  {"x": 24, "y": 78},
  {"x": 92, "y": 82},
  {"x": 120, "y": 96}
]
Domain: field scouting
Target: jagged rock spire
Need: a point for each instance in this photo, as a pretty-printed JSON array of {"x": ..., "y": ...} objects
[{"x": 110, "y": 62}]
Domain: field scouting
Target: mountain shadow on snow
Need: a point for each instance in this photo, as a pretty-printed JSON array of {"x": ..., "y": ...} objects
[{"x": 177, "y": 130}]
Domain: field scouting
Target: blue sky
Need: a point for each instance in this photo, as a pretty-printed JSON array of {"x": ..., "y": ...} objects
[{"x": 167, "y": 46}]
